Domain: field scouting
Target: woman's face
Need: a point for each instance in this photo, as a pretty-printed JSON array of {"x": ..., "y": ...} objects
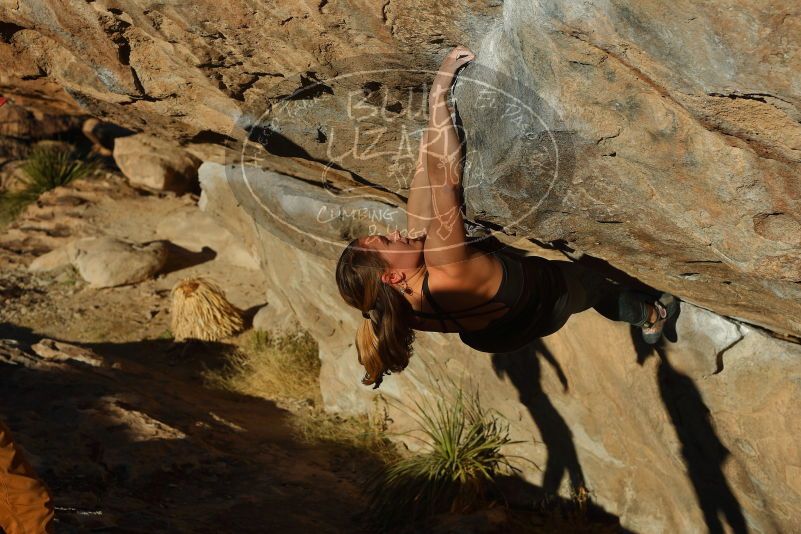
[{"x": 399, "y": 252}]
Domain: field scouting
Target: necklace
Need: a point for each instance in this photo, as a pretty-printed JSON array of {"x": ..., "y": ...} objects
[{"x": 409, "y": 291}]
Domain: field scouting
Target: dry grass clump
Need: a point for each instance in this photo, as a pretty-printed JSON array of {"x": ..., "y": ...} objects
[
  {"x": 275, "y": 365},
  {"x": 365, "y": 434},
  {"x": 200, "y": 311},
  {"x": 285, "y": 367}
]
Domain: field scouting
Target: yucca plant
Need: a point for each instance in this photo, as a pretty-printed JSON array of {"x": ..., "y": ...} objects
[
  {"x": 50, "y": 166},
  {"x": 47, "y": 167},
  {"x": 461, "y": 459}
]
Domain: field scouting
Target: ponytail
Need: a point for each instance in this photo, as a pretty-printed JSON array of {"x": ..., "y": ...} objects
[{"x": 384, "y": 339}]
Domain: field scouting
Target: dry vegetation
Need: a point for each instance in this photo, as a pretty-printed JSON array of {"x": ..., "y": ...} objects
[
  {"x": 454, "y": 473},
  {"x": 285, "y": 368}
]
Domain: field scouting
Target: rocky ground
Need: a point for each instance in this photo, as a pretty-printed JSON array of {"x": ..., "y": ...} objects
[{"x": 118, "y": 421}]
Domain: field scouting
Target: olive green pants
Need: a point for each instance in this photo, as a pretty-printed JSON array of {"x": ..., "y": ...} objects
[{"x": 586, "y": 289}]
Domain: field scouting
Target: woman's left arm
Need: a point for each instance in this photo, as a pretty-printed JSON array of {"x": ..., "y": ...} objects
[{"x": 418, "y": 207}]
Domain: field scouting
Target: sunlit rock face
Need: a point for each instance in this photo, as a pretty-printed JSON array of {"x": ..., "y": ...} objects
[{"x": 663, "y": 139}]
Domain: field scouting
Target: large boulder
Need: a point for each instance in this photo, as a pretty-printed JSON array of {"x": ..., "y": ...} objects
[
  {"x": 666, "y": 437},
  {"x": 193, "y": 229},
  {"x": 155, "y": 164},
  {"x": 663, "y": 140}
]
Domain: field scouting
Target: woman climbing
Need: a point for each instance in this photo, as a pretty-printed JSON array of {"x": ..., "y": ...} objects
[{"x": 436, "y": 280}]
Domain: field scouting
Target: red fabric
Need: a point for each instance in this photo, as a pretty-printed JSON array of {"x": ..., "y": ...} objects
[{"x": 3, "y": 101}]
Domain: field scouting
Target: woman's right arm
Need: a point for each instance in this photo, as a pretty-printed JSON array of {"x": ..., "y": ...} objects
[{"x": 445, "y": 240}]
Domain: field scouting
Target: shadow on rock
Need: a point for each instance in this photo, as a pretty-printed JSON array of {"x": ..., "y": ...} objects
[
  {"x": 179, "y": 258},
  {"x": 523, "y": 369},
  {"x": 553, "y": 513},
  {"x": 576, "y": 514},
  {"x": 701, "y": 449}
]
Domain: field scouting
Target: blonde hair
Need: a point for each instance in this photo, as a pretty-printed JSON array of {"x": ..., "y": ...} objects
[{"x": 384, "y": 339}]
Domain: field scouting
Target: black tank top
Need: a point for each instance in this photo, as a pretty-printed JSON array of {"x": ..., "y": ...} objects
[{"x": 529, "y": 288}]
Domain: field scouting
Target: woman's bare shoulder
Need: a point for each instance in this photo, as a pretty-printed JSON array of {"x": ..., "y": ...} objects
[{"x": 466, "y": 275}]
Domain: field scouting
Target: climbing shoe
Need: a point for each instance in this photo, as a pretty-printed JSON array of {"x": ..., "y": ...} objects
[{"x": 666, "y": 308}]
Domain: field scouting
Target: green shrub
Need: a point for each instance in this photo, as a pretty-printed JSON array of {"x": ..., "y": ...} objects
[
  {"x": 47, "y": 167},
  {"x": 51, "y": 166},
  {"x": 462, "y": 458},
  {"x": 11, "y": 205}
]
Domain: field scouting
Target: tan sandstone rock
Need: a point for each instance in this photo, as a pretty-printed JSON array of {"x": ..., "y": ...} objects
[
  {"x": 154, "y": 164},
  {"x": 191, "y": 228},
  {"x": 663, "y": 437},
  {"x": 676, "y": 132},
  {"x": 50, "y": 261}
]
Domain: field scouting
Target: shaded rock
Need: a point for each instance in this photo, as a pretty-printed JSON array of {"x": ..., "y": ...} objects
[
  {"x": 11, "y": 353},
  {"x": 60, "y": 351},
  {"x": 487, "y": 521},
  {"x": 11, "y": 149},
  {"x": 155, "y": 164},
  {"x": 27, "y": 123},
  {"x": 179, "y": 258},
  {"x": 107, "y": 262},
  {"x": 103, "y": 134}
]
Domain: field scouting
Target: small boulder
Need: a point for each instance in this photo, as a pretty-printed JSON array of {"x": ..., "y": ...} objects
[
  {"x": 108, "y": 262},
  {"x": 59, "y": 351},
  {"x": 55, "y": 259},
  {"x": 155, "y": 164}
]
